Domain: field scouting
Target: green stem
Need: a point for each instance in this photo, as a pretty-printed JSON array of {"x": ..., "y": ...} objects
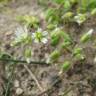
[{"x": 23, "y": 61}]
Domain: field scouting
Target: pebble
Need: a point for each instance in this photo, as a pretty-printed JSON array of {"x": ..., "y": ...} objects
[
  {"x": 19, "y": 91},
  {"x": 16, "y": 83}
]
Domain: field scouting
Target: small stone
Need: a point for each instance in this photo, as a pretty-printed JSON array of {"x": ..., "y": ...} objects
[
  {"x": 16, "y": 83},
  {"x": 19, "y": 91}
]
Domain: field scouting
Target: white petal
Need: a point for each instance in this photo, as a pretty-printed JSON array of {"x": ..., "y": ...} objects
[
  {"x": 33, "y": 35},
  {"x": 90, "y": 31},
  {"x": 45, "y": 33},
  {"x": 39, "y": 30},
  {"x": 44, "y": 40}
]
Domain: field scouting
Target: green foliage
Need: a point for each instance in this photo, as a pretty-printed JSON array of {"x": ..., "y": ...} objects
[
  {"x": 51, "y": 26},
  {"x": 4, "y": 1},
  {"x": 67, "y": 17},
  {"x": 86, "y": 5},
  {"x": 58, "y": 34},
  {"x": 52, "y": 15},
  {"x": 78, "y": 53},
  {"x": 42, "y": 2},
  {"x": 65, "y": 11},
  {"x": 93, "y": 12},
  {"x": 67, "y": 41},
  {"x": 66, "y": 65},
  {"x": 80, "y": 18},
  {"x": 55, "y": 37},
  {"x": 28, "y": 54},
  {"x": 67, "y": 5},
  {"x": 29, "y": 21},
  {"x": 59, "y": 1},
  {"x": 66, "y": 37},
  {"x": 86, "y": 36},
  {"x": 54, "y": 56}
]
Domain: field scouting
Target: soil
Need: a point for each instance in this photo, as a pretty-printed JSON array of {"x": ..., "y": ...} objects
[{"x": 78, "y": 81}]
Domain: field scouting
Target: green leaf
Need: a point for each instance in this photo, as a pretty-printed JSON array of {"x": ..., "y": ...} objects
[
  {"x": 29, "y": 21},
  {"x": 91, "y": 4},
  {"x": 66, "y": 44},
  {"x": 67, "y": 5},
  {"x": 52, "y": 15},
  {"x": 58, "y": 1},
  {"x": 55, "y": 40},
  {"x": 87, "y": 36},
  {"x": 28, "y": 54},
  {"x": 55, "y": 37},
  {"x": 80, "y": 18},
  {"x": 77, "y": 50},
  {"x": 87, "y": 5},
  {"x": 93, "y": 12},
  {"x": 68, "y": 15},
  {"x": 78, "y": 53},
  {"x": 51, "y": 26},
  {"x": 66, "y": 65},
  {"x": 54, "y": 55},
  {"x": 66, "y": 37}
]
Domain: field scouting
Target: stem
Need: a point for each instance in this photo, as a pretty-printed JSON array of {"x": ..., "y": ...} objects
[{"x": 23, "y": 61}]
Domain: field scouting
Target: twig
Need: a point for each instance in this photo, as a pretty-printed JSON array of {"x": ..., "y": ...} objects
[
  {"x": 23, "y": 61},
  {"x": 33, "y": 77}
]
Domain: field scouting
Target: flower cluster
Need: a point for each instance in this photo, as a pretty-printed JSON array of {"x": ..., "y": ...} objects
[{"x": 22, "y": 35}]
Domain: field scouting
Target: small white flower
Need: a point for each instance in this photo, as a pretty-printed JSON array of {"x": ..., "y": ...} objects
[
  {"x": 20, "y": 34},
  {"x": 40, "y": 36},
  {"x": 44, "y": 40}
]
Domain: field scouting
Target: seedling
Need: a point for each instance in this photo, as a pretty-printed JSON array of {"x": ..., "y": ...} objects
[
  {"x": 78, "y": 53},
  {"x": 55, "y": 36},
  {"x": 68, "y": 17},
  {"x": 65, "y": 67},
  {"x": 54, "y": 56},
  {"x": 80, "y": 18},
  {"x": 87, "y": 36}
]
